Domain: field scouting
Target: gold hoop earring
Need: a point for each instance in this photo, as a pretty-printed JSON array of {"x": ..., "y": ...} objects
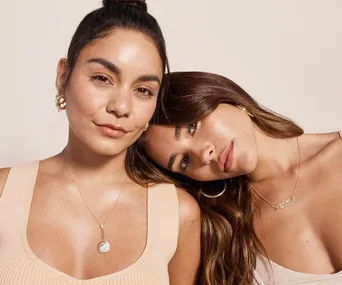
[
  {"x": 60, "y": 102},
  {"x": 217, "y": 195},
  {"x": 146, "y": 127},
  {"x": 246, "y": 111}
]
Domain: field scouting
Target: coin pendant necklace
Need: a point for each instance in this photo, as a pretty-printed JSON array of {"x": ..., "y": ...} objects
[{"x": 104, "y": 245}]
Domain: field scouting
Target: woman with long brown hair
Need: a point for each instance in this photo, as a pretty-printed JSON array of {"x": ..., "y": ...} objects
[
  {"x": 270, "y": 195},
  {"x": 79, "y": 217}
]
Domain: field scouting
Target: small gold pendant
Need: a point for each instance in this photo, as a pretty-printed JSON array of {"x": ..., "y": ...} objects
[{"x": 104, "y": 246}]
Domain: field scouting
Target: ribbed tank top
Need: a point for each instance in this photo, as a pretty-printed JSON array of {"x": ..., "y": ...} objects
[
  {"x": 270, "y": 273},
  {"x": 20, "y": 266}
]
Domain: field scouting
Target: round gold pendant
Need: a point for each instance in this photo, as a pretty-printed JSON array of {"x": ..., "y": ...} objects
[{"x": 103, "y": 247}]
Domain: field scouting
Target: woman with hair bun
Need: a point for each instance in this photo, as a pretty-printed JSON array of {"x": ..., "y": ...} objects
[{"x": 80, "y": 217}]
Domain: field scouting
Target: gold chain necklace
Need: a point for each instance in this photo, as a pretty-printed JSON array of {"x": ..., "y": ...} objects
[
  {"x": 291, "y": 199},
  {"x": 104, "y": 245}
]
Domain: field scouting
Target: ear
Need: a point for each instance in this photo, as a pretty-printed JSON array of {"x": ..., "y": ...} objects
[{"x": 62, "y": 75}]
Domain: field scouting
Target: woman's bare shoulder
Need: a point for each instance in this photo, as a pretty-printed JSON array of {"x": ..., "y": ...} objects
[
  {"x": 335, "y": 150},
  {"x": 189, "y": 209},
  {"x": 329, "y": 156},
  {"x": 3, "y": 178}
]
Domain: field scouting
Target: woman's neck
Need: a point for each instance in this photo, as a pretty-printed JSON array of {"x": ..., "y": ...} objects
[
  {"x": 275, "y": 157},
  {"x": 86, "y": 164}
]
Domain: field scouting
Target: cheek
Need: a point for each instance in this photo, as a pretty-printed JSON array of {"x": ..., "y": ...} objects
[
  {"x": 143, "y": 111},
  {"x": 205, "y": 174},
  {"x": 250, "y": 158},
  {"x": 158, "y": 151},
  {"x": 230, "y": 123},
  {"x": 83, "y": 99},
  {"x": 215, "y": 130}
]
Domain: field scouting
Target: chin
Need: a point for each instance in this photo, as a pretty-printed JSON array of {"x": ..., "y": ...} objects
[
  {"x": 251, "y": 165},
  {"x": 248, "y": 164},
  {"x": 108, "y": 149},
  {"x": 98, "y": 144}
]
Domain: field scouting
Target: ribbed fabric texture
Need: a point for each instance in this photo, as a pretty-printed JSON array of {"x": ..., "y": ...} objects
[
  {"x": 270, "y": 273},
  {"x": 20, "y": 266}
]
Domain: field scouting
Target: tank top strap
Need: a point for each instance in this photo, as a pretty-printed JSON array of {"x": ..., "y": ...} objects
[
  {"x": 163, "y": 219},
  {"x": 340, "y": 133},
  {"x": 15, "y": 201}
]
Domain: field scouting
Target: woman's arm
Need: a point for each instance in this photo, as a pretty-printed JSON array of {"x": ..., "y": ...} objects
[
  {"x": 3, "y": 177},
  {"x": 183, "y": 268}
]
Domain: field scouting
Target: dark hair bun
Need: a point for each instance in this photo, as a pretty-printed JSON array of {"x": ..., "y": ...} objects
[{"x": 136, "y": 3}]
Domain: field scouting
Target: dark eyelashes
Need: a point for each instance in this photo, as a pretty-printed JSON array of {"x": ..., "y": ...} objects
[
  {"x": 186, "y": 158},
  {"x": 143, "y": 91},
  {"x": 100, "y": 78},
  {"x": 192, "y": 128},
  {"x": 184, "y": 162}
]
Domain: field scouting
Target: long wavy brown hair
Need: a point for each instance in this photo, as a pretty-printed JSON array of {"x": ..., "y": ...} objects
[{"x": 229, "y": 243}]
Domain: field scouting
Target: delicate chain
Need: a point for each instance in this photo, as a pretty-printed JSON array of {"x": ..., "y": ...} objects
[
  {"x": 292, "y": 198},
  {"x": 85, "y": 202}
]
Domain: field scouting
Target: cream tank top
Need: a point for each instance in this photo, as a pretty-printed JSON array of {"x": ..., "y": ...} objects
[
  {"x": 20, "y": 266},
  {"x": 270, "y": 273}
]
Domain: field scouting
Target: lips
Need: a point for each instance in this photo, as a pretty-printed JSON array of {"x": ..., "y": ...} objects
[
  {"x": 112, "y": 131},
  {"x": 113, "y": 127},
  {"x": 225, "y": 159}
]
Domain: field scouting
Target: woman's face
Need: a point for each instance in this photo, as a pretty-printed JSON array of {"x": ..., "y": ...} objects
[
  {"x": 112, "y": 92},
  {"x": 220, "y": 146}
]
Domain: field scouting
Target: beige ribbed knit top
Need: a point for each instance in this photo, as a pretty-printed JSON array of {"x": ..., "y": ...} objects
[
  {"x": 20, "y": 266},
  {"x": 270, "y": 273}
]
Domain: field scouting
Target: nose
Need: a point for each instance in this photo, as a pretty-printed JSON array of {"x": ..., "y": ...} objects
[
  {"x": 120, "y": 103},
  {"x": 206, "y": 154}
]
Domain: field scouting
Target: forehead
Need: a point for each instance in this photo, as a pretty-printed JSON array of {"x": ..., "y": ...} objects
[
  {"x": 127, "y": 49},
  {"x": 160, "y": 144}
]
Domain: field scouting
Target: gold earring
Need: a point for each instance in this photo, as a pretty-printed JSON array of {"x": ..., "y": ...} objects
[
  {"x": 217, "y": 195},
  {"x": 146, "y": 127},
  {"x": 246, "y": 111},
  {"x": 60, "y": 102}
]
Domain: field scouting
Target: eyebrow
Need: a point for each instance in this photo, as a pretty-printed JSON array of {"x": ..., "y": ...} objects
[
  {"x": 172, "y": 161},
  {"x": 174, "y": 155},
  {"x": 116, "y": 70},
  {"x": 148, "y": 77},
  {"x": 177, "y": 132},
  {"x": 107, "y": 64}
]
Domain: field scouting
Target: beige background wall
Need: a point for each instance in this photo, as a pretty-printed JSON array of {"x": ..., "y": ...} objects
[{"x": 287, "y": 54}]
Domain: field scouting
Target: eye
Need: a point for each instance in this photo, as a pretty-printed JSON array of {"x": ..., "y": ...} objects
[
  {"x": 192, "y": 128},
  {"x": 101, "y": 79},
  {"x": 145, "y": 92},
  {"x": 184, "y": 162}
]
